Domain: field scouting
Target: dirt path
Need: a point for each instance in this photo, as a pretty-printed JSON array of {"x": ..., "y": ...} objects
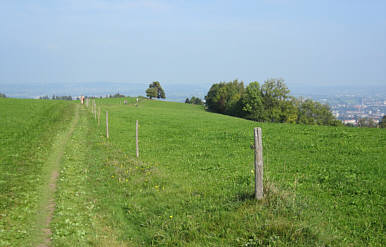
[{"x": 47, "y": 205}]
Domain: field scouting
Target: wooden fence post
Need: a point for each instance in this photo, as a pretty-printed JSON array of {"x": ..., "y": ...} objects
[
  {"x": 99, "y": 116},
  {"x": 107, "y": 124},
  {"x": 136, "y": 138},
  {"x": 259, "y": 166}
]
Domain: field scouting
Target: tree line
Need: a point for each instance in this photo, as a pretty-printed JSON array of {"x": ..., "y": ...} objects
[
  {"x": 56, "y": 97},
  {"x": 194, "y": 100},
  {"x": 269, "y": 102}
]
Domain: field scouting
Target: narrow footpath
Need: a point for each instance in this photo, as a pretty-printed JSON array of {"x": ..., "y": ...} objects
[
  {"x": 68, "y": 214},
  {"x": 47, "y": 204}
]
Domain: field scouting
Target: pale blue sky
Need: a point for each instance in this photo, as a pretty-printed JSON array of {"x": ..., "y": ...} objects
[{"x": 318, "y": 42}]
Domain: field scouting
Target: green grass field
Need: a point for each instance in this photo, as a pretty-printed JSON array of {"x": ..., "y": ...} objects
[
  {"x": 193, "y": 183},
  {"x": 27, "y": 129}
]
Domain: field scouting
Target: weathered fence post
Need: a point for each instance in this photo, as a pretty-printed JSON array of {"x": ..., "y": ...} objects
[
  {"x": 136, "y": 138},
  {"x": 258, "y": 163},
  {"x": 107, "y": 124},
  {"x": 95, "y": 111},
  {"x": 99, "y": 116}
]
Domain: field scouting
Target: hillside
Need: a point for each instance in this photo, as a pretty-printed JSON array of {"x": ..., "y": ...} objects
[
  {"x": 327, "y": 183},
  {"x": 193, "y": 182}
]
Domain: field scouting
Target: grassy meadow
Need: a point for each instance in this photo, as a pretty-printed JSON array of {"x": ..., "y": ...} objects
[
  {"x": 27, "y": 128},
  {"x": 193, "y": 182}
]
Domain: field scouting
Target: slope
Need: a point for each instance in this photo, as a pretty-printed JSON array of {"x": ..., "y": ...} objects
[{"x": 193, "y": 185}]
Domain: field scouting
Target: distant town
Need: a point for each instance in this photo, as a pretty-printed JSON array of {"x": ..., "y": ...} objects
[{"x": 351, "y": 109}]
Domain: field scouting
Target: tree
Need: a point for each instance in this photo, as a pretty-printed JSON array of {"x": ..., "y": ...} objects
[
  {"x": 311, "y": 112},
  {"x": 3, "y": 95},
  {"x": 194, "y": 100},
  {"x": 252, "y": 102},
  {"x": 155, "y": 91},
  {"x": 151, "y": 92},
  {"x": 118, "y": 95},
  {"x": 225, "y": 98},
  {"x": 382, "y": 123},
  {"x": 367, "y": 122},
  {"x": 274, "y": 93},
  {"x": 271, "y": 102},
  {"x": 289, "y": 110}
]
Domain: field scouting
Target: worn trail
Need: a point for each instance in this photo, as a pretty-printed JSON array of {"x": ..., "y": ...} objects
[{"x": 47, "y": 204}]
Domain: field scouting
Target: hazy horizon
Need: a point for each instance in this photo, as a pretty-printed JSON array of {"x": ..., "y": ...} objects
[{"x": 174, "y": 92}]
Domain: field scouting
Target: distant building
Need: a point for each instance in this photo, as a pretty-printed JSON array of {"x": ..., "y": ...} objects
[{"x": 350, "y": 121}]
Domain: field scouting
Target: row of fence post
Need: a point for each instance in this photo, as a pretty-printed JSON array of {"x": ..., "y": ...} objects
[
  {"x": 258, "y": 148},
  {"x": 97, "y": 116}
]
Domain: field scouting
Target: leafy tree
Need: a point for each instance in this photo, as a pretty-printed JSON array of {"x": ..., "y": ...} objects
[
  {"x": 54, "y": 97},
  {"x": 215, "y": 99},
  {"x": 3, "y": 95},
  {"x": 274, "y": 94},
  {"x": 155, "y": 91},
  {"x": 252, "y": 102},
  {"x": 225, "y": 97},
  {"x": 151, "y": 92},
  {"x": 270, "y": 102},
  {"x": 194, "y": 100},
  {"x": 311, "y": 112},
  {"x": 118, "y": 95},
  {"x": 367, "y": 122},
  {"x": 382, "y": 123},
  {"x": 289, "y": 110}
]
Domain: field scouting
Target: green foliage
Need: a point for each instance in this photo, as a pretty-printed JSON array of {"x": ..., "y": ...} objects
[
  {"x": 118, "y": 95},
  {"x": 3, "y": 95},
  {"x": 155, "y": 91},
  {"x": 269, "y": 103},
  {"x": 151, "y": 93},
  {"x": 253, "y": 103},
  {"x": 311, "y": 112},
  {"x": 274, "y": 95},
  {"x": 225, "y": 97},
  {"x": 55, "y": 97},
  {"x": 367, "y": 122},
  {"x": 382, "y": 123},
  {"x": 194, "y": 100}
]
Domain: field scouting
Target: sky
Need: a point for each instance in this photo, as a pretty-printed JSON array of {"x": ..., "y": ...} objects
[{"x": 305, "y": 42}]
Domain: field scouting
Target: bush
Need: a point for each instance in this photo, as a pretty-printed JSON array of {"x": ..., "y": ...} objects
[
  {"x": 271, "y": 102},
  {"x": 194, "y": 100}
]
